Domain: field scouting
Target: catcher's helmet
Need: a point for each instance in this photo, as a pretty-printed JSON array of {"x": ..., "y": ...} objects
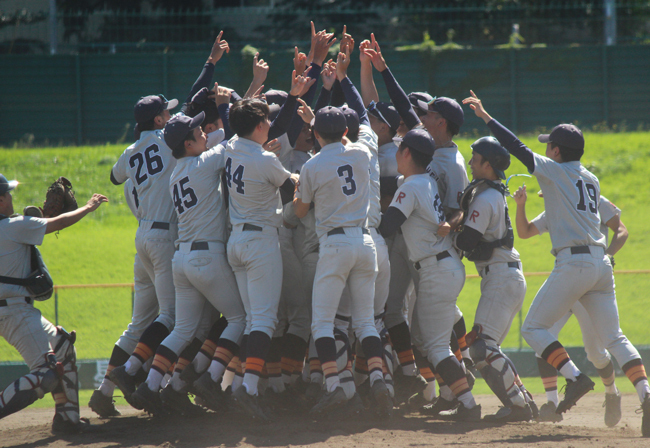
[{"x": 492, "y": 151}]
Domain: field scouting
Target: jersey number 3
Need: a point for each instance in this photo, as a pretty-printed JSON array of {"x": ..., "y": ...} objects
[
  {"x": 183, "y": 196},
  {"x": 236, "y": 177},
  {"x": 350, "y": 186},
  {"x": 153, "y": 162},
  {"x": 592, "y": 193}
]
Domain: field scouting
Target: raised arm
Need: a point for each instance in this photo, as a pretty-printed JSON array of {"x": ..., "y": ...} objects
[
  {"x": 368, "y": 89},
  {"x": 525, "y": 228},
  {"x": 397, "y": 96},
  {"x": 299, "y": 85},
  {"x": 352, "y": 96},
  {"x": 205, "y": 77},
  {"x": 260, "y": 71},
  {"x": 67, "y": 219},
  {"x": 507, "y": 139}
]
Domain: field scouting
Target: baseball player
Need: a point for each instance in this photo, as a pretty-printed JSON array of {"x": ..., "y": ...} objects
[
  {"x": 417, "y": 209},
  {"x": 596, "y": 353},
  {"x": 149, "y": 164},
  {"x": 145, "y": 310},
  {"x": 337, "y": 181},
  {"x": 254, "y": 178},
  {"x": 48, "y": 350},
  {"x": 201, "y": 272},
  {"x": 571, "y": 196},
  {"x": 442, "y": 120},
  {"x": 488, "y": 240}
]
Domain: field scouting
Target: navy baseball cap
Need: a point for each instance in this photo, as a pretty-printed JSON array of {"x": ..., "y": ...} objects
[
  {"x": 496, "y": 155},
  {"x": 148, "y": 107},
  {"x": 449, "y": 109},
  {"x": 276, "y": 96},
  {"x": 6, "y": 185},
  {"x": 330, "y": 120},
  {"x": 565, "y": 135},
  {"x": 420, "y": 141},
  {"x": 178, "y": 127},
  {"x": 274, "y": 110},
  {"x": 386, "y": 112},
  {"x": 420, "y": 100},
  {"x": 352, "y": 120}
]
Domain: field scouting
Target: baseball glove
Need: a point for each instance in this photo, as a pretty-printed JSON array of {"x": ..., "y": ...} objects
[{"x": 59, "y": 198}]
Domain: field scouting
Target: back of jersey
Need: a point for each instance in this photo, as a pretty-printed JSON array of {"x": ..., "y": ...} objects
[
  {"x": 253, "y": 176},
  {"x": 571, "y": 198},
  {"x": 149, "y": 164},
  {"x": 195, "y": 188},
  {"x": 337, "y": 180},
  {"x": 448, "y": 169}
]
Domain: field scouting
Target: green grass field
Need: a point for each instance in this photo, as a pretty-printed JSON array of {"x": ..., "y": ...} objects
[{"x": 100, "y": 249}]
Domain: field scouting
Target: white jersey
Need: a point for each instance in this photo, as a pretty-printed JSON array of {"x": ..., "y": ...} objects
[
  {"x": 337, "y": 180},
  {"x": 418, "y": 199},
  {"x": 571, "y": 199},
  {"x": 148, "y": 163},
  {"x": 253, "y": 176},
  {"x": 447, "y": 167},
  {"x": 368, "y": 140},
  {"x": 195, "y": 187},
  {"x": 387, "y": 161},
  {"x": 17, "y": 234},
  {"x": 487, "y": 215},
  {"x": 298, "y": 159},
  {"x": 607, "y": 211}
]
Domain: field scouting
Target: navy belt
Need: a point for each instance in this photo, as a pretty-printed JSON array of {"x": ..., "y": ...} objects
[
  {"x": 252, "y": 227},
  {"x": 580, "y": 250},
  {"x": 511, "y": 264},
  {"x": 341, "y": 231},
  {"x": 440, "y": 256},
  {"x": 4, "y": 302},
  {"x": 200, "y": 245},
  {"x": 159, "y": 225}
]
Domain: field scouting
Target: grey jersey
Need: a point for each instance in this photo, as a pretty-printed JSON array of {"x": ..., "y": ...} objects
[
  {"x": 298, "y": 159},
  {"x": 148, "y": 163},
  {"x": 195, "y": 187},
  {"x": 387, "y": 161},
  {"x": 253, "y": 176},
  {"x": 368, "y": 140},
  {"x": 487, "y": 215},
  {"x": 337, "y": 180},
  {"x": 607, "y": 211},
  {"x": 284, "y": 155},
  {"x": 17, "y": 234},
  {"x": 448, "y": 169},
  {"x": 310, "y": 242},
  {"x": 130, "y": 196},
  {"x": 571, "y": 198},
  {"x": 418, "y": 199}
]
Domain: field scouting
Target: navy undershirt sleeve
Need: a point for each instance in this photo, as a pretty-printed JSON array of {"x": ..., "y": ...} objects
[
  {"x": 514, "y": 146},
  {"x": 203, "y": 80},
  {"x": 391, "y": 221},
  {"x": 400, "y": 100},
  {"x": 354, "y": 100},
  {"x": 282, "y": 121},
  {"x": 323, "y": 99}
]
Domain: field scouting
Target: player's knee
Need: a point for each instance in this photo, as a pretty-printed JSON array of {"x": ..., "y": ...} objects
[{"x": 478, "y": 350}]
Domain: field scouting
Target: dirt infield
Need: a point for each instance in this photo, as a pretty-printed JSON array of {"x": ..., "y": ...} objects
[{"x": 582, "y": 427}]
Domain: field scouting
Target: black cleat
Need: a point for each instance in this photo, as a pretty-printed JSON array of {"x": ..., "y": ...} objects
[
  {"x": 102, "y": 405},
  {"x": 147, "y": 399},
  {"x": 125, "y": 382},
  {"x": 408, "y": 386},
  {"x": 178, "y": 402},
  {"x": 65, "y": 427},
  {"x": 612, "y": 407},
  {"x": 381, "y": 394},
  {"x": 438, "y": 406},
  {"x": 645, "y": 422},
  {"x": 249, "y": 404},
  {"x": 212, "y": 397},
  {"x": 331, "y": 400},
  {"x": 462, "y": 414},
  {"x": 507, "y": 414},
  {"x": 547, "y": 413},
  {"x": 574, "y": 391}
]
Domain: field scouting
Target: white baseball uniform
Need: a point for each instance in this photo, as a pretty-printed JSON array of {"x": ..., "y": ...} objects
[
  {"x": 582, "y": 272},
  {"x": 149, "y": 164},
  {"x": 442, "y": 275},
  {"x": 596, "y": 352}
]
